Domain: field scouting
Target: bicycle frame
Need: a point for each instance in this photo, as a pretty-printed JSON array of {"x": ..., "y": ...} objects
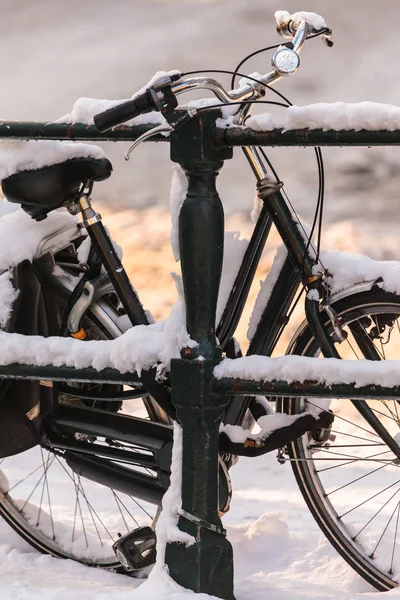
[{"x": 298, "y": 267}]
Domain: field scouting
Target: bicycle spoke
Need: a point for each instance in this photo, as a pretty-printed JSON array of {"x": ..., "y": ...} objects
[
  {"x": 76, "y": 508},
  {"x": 376, "y": 514},
  {"x": 384, "y": 402},
  {"x": 25, "y": 478},
  {"x": 89, "y": 504},
  {"x": 120, "y": 511},
  {"x": 35, "y": 488},
  {"x": 357, "y": 479},
  {"x": 370, "y": 498},
  {"x": 352, "y": 349},
  {"x": 48, "y": 497},
  {"x": 80, "y": 512},
  {"x": 384, "y": 531}
]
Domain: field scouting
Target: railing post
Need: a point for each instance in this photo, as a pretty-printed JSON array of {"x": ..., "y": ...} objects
[{"x": 207, "y": 565}]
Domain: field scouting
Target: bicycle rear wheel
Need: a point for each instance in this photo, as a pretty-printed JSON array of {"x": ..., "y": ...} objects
[
  {"x": 59, "y": 512},
  {"x": 349, "y": 478}
]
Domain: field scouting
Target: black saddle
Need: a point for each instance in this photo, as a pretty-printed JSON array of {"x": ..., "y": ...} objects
[{"x": 42, "y": 190}]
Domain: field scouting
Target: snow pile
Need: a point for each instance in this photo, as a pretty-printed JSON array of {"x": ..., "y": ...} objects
[
  {"x": 179, "y": 186},
  {"x": 271, "y": 560},
  {"x": 347, "y": 269},
  {"x": 338, "y": 116},
  {"x": 343, "y": 116},
  {"x": 19, "y": 155},
  {"x": 167, "y": 524},
  {"x": 8, "y": 295},
  {"x": 16, "y": 225},
  {"x": 141, "y": 347},
  {"x": 234, "y": 251},
  {"x": 328, "y": 371},
  {"x": 268, "y": 424},
  {"x": 85, "y": 109},
  {"x": 266, "y": 289},
  {"x": 315, "y": 20}
]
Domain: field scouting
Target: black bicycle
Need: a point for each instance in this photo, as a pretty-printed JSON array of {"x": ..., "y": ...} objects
[{"x": 103, "y": 461}]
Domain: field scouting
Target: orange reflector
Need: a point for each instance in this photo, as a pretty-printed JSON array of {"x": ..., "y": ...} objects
[{"x": 79, "y": 335}]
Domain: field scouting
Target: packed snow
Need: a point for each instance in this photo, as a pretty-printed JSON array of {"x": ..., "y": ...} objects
[
  {"x": 167, "y": 524},
  {"x": 20, "y": 155},
  {"x": 141, "y": 347},
  {"x": 179, "y": 186},
  {"x": 268, "y": 424},
  {"x": 315, "y": 20},
  {"x": 266, "y": 288},
  {"x": 85, "y": 109},
  {"x": 338, "y": 116},
  {"x": 301, "y": 368}
]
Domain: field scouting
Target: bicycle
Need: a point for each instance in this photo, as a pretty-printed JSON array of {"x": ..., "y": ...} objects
[{"x": 86, "y": 440}]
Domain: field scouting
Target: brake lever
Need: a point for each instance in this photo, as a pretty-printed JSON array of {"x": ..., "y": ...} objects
[
  {"x": 163, "y": 128},
  {"x": 174, "y": 121},
  {"x": 326, "y": 38}
]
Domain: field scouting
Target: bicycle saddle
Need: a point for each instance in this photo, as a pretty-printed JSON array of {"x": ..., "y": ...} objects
[{"x": 40, "y": 191}]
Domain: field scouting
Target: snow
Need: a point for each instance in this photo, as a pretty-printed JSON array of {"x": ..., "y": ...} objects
[
  {"x": 85, "y": 109},
  {"x": 179, "y": 186},
  {"x": 167, "y": 524},
  {"x": 313, "y": 295},
  {"x": 315, "y": 20},
  {"x": 18, "y": 225},
  {"x": 347, "y": 269},
  {"x": 15, "y": 225},
  {"x": 344, "y": 116},
  {"x": 268, "y": 424},
  {"x": 338, "y": 116},
  {"x": 8, "y": 295},
  {"x": 234, "y": 251},
  {"x": 300, "y": 368},
  {"x": 141, "y": 347},
  {"x": 4, "y": 485},
  {"x": 19, "y": 155},
  {"x": 266, "y": 288},
  {"x": 280, "y": 554}
]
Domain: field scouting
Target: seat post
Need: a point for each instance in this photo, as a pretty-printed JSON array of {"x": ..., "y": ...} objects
[{"x": 104, "y": 248}]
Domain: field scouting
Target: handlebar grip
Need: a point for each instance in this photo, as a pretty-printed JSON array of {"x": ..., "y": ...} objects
[{"x": 143, "y": 103}]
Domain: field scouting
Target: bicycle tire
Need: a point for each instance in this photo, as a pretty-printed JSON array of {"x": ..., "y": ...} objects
[
  {"x": 43, "y": 538},
  {"x": 324, "y": 486}
]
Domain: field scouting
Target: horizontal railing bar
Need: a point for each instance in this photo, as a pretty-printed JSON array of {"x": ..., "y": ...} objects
[
  {"x": 51, "y": 373},
  {"x": 242, "y": 136},
  {"x": 232, "y": 136},
  {"x": 77, "y": 131},
  {"x": 245, "y": 387}
]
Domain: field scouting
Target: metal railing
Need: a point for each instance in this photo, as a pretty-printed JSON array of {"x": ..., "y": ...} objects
[{"x": 199, "y": 398}]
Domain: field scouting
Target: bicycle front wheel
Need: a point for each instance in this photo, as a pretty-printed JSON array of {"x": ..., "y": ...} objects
[{"x": 349, "y": 478}]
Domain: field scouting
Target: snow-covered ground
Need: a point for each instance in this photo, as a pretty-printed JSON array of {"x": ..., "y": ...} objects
[{"x": 279, "y": 552}]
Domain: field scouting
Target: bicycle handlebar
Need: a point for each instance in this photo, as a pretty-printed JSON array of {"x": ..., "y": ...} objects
[
  {"x": 160, "y": 96},
  {"x": 141, "y": 104}
]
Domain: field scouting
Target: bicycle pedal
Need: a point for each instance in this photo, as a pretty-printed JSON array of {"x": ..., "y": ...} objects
[{"x": 137, "y": 549}]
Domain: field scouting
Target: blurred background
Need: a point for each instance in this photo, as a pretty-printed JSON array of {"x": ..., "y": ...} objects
[{"x": 55, "y": 51}]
